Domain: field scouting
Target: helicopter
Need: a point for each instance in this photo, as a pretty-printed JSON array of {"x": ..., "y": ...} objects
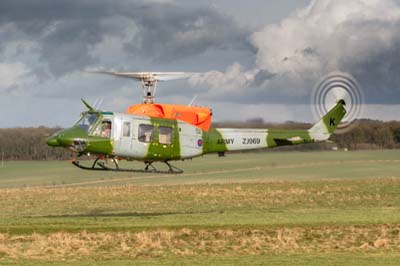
[{"x": 152, "y": 133}]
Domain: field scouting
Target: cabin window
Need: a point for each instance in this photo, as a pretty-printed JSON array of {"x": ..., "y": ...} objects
[
  {"x": 126, "y": 129},
  {"x": 165, "y": 135},
  {"x": 146, "y": 133}
]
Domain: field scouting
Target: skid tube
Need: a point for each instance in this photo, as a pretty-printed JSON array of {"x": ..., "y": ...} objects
[{"x": 149, "y": 167}]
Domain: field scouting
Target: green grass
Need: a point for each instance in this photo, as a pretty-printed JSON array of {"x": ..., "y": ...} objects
[
  {"x": 248, "y": 167},
  {"x": 322, "y": 208},
  {"x": 341, "y": 259}
]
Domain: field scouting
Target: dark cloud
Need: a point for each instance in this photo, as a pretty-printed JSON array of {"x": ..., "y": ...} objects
[
  {"x": 49, "y": 10},
  {"x": 261, "y": 77},
  {"x": 170, "y": 33},
  {"x": 67, "y": 31},
  {"x": 376, "y": 65},
  {"x": 67, "y": 48}
]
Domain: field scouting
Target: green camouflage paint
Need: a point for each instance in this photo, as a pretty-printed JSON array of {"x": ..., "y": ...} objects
[
  {"x": 211, "y": 141},
  {"x": 164, "y": 152},
  {"x": 94, "y": 144},
  {"x": 333, "y": 117},
  {"x": 287, "y": 137}
]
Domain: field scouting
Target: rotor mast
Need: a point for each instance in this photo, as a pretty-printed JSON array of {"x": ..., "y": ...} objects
[{"x": 149, "y": 85}]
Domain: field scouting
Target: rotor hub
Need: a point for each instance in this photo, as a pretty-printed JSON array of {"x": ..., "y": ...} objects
[{"x": 149, "y": 85}]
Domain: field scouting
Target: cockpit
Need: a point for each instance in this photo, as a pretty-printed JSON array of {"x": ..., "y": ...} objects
[
  {"x": 91, "y": 124},
  {"x": 87, "y": 121}
]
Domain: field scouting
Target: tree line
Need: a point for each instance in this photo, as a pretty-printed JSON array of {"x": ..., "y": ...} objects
[
  {"x": 370, "y": 134},
  {"x": 30, "y": 143}
]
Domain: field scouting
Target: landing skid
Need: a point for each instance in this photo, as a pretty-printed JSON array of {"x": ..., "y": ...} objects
[{"x": 149, "y": 167}]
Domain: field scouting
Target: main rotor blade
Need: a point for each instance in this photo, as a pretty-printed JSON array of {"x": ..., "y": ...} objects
[{"x": 150, "y": 76}]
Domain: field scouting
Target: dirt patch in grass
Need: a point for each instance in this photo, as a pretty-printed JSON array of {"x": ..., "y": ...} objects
[{"x": 200, "y": 242}]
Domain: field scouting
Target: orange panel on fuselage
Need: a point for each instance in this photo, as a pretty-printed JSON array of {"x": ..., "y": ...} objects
[{"x": 197, "y": 116}]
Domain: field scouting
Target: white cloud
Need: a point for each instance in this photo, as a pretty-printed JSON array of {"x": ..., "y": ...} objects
[
  {"x": 10, "y": 73},
  {"x": 361, "y": 37},
  {"x": 317, "y": 38},
  {"x": 233, "y": 80},
  {"x": 15, "y": 77}
]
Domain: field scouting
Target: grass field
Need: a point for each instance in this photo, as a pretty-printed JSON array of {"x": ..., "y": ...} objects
[{"x": 286, "y": 208}]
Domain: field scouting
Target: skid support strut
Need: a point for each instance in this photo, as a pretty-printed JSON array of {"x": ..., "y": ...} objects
[{"x": 98, "y": 165}]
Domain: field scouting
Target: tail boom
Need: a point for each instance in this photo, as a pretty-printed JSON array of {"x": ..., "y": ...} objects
[{"x": 229, "y": 139}]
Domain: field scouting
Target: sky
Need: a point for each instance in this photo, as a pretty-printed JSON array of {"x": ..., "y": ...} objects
[{"x": 256, "y": 58}]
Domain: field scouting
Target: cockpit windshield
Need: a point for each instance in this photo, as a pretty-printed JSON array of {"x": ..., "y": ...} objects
[{"x": 87, "y": 121}]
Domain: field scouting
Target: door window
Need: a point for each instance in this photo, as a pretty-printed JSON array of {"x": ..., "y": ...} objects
[
  {"x": 165, "y": 135},
  {"x": 146, "y": 133}
]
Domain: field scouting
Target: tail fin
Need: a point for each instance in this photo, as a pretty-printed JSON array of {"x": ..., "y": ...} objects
[{"x": 326, "y": 126}]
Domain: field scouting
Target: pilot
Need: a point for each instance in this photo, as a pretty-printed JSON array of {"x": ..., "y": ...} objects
[{"x": 106, "y": 129}]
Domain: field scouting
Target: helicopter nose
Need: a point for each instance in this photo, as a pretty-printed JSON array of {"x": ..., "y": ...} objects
[{"x": 53, "y": 141}]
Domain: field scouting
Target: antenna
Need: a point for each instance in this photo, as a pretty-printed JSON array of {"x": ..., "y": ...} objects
[
  {"x": 95, "y": 103},
  {"x": 192, "y": 101},
  {"x": 98, "y": 103},
  {"x": 149, "y": 80}
]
